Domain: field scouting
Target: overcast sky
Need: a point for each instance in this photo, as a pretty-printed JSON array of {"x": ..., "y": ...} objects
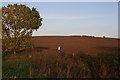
[{"x": 76, "y": 18}]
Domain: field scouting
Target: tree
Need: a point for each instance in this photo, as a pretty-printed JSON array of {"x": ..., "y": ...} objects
[
  {"x": 18, "y": 23},
  {"x": 0, "y": 26}
]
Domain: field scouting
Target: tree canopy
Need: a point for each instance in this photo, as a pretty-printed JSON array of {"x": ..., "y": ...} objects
[
  {"x": 18, "y": 23},
  {"x": 0, "y": 24}
]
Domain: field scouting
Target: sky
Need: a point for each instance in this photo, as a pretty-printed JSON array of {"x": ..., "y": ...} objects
[
  {"x": 60, "y": 0},
  {"x": 119, "y": 20},
  {"x": 76, "y": 18}
]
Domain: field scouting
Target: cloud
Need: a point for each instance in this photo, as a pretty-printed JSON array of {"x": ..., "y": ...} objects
[{"x": 59, "y": 17}]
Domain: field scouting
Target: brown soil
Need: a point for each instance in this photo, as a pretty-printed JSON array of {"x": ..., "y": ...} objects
[{"x": 74, "y": 44}]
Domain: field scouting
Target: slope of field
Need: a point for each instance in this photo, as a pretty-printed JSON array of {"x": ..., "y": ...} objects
[
  {"x": 72, "y": 44},
  {"x": 43, "y": 60}
]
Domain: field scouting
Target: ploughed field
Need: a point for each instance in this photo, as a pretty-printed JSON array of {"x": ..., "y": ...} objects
[{"x": 75, "y": 45}]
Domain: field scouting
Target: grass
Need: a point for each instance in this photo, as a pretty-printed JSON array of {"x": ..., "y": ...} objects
[{"x": 63, "y": 66}]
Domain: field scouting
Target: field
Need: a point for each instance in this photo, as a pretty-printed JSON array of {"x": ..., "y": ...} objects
[
  {"x": 81, "y": 57},
  {"x": 88, "y": 45}
]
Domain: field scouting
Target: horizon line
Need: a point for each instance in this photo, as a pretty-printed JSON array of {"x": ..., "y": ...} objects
[{"x": 74, "y": 36}]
